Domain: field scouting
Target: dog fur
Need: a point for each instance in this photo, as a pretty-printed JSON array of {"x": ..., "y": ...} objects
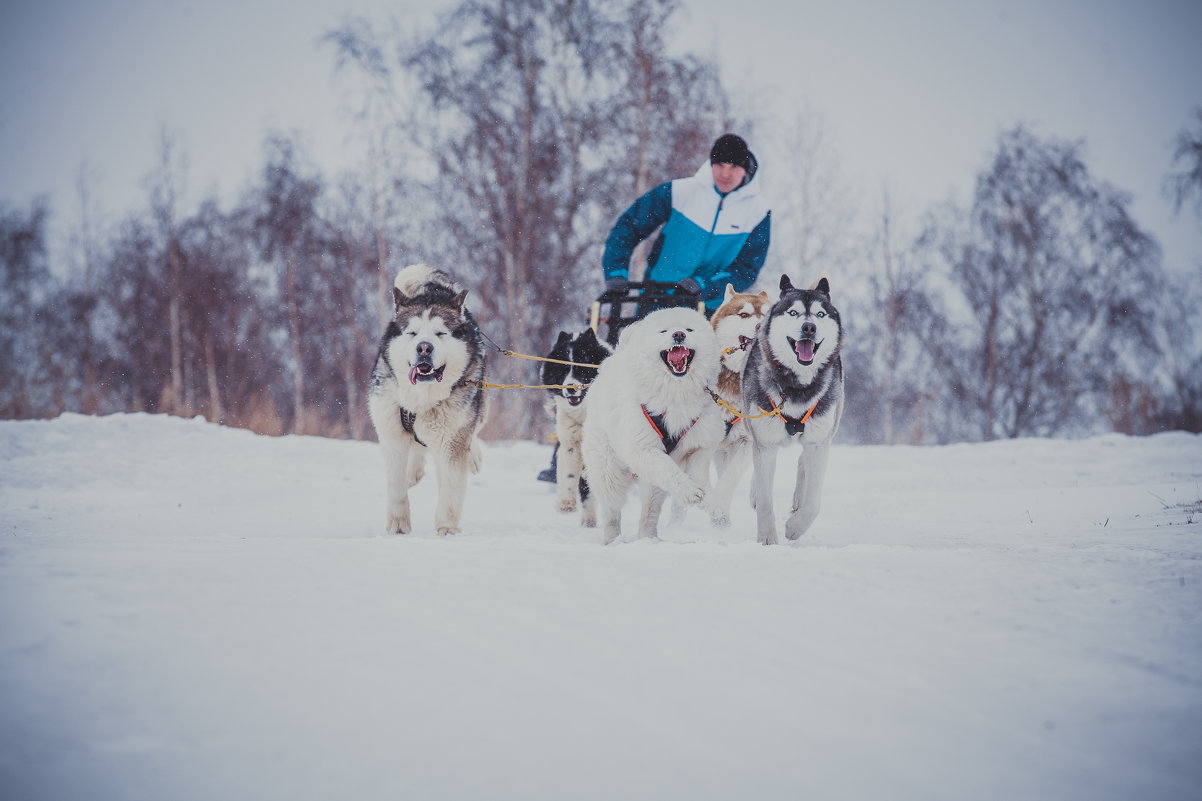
[
  {"x": 426, "y": 394},
  {"x": 795, "y": 367},
  {"x": 735, "y": 324},
  {"x": 570, "y": 406},
  {"x": 658, "y": 372}
]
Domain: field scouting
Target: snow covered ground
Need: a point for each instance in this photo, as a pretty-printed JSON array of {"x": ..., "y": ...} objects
[{"x": 192, "y": 612}]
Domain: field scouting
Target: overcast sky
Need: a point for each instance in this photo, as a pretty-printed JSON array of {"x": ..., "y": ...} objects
[{"x": 912, "y": 94}]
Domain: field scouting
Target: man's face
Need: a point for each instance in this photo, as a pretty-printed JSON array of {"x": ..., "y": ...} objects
[{"x": 728, "y": 177}]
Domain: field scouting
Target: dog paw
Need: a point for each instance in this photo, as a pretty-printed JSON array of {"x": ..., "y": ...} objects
[
  {"x": 792, "y": 534},
  {"x": 445, "y": 530},
  {"x": 688, "y": 494},
  {"x": 588, "y": 521},
  {"x": 719, "y": 519},
  {"x": 767, "y": 539},
  {"x": 567, "y": 504},
  {"x": 398, "y": 524}
]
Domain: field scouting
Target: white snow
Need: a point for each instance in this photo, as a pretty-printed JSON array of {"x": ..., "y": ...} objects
[{"x": 193, "y": 612}]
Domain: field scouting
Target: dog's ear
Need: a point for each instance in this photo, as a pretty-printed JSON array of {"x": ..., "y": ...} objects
[
  {"x": 764, "y": 294},
  {"x": 564, "y": 336},
  {"x": 823, "y": 285},
  {"x": 398, "y": 300},
  {"x": 589, "y": 337},
  {"x": 785, "y": 284},
  {"x": 730, "y": 292},
  {"x": 459, "y": 299}
]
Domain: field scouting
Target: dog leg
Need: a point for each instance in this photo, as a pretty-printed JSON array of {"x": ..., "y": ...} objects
[
  {"x": 732, "y": 466},
  {"x": 588, "y": 505},
  {"x": 696, "y": 465},
  {"x": 568, "y": 469},
  {"x": 609, "y": 483},
  {"x": 452, "y": 486},
  {"x": 475, "y": 457},
  {"x": 396, "y": 477},
  {"x": 417, "y": 464},
  {"x": 799, "y": 484},
  {"x": 764, "y": 462},
  {"x": 807, "y": 497},
  {"x": 661, "y": 471},
  {"x": 653, "y": 503}
]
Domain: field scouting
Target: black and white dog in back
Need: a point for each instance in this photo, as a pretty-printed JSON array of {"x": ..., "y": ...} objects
[
  {"x": 792, "y": 387},
  {"x": 569, "y": 390}
]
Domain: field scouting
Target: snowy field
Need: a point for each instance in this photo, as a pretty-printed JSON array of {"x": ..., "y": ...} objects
[{"x": 192, "y": 612}]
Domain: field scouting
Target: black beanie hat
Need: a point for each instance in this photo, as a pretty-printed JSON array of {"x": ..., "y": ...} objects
[{"x": 731, "y": 149}]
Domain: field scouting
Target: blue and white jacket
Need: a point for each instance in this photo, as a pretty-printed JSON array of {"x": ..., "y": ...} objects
[{"x": 712, "y": 239}]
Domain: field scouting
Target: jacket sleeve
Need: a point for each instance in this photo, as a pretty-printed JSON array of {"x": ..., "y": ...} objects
[
  {"x": 636, "y": 224},
  {"x": 743, "y": 271}
]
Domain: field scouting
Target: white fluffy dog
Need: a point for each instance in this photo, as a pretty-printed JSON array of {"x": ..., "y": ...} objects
[{"x": 651, "y": 419}]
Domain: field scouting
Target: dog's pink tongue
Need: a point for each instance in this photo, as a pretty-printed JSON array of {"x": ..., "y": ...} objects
[
  {"x": 678, "y": 357},
  {"x": 805, "y": 350},
  {"x": 412, "y": 375}
]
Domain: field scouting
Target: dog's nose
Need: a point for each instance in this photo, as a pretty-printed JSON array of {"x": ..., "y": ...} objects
[
  {"x": 424, "y": 349},
  {"x": 678, "y": 337},
  {"x": 808, "y": 330}
]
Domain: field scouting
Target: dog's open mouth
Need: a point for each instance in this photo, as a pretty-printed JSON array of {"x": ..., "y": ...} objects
[
  {"x": 574, "y": 400},
  {"x": 425, "y": 371},
  {"x": 805, "y": 350},
  {"x": 678, "y": 359},
  {"x": 744, "y": 342}
]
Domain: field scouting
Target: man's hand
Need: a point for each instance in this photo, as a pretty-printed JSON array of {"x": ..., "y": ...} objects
[
  {"x": 691, "y": 286},
  {"x": 616, "y": 284}
]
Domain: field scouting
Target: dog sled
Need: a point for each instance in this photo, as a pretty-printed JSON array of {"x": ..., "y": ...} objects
[{"x": 614, "y": 309}]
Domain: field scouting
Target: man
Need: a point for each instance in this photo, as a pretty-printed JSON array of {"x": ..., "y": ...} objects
[{"x": 715, "y": 231}]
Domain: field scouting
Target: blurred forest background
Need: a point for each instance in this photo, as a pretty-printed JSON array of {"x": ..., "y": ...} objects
[{"x": 502, "y": 146}]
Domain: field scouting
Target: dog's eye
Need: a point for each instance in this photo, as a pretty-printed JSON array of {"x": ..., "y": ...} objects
[
  {"x": 440, "y": 334},
  {"x": 820, "y": 314},
  {"x": 745, "y": 315},
  {"x": 792, "y": 312}
]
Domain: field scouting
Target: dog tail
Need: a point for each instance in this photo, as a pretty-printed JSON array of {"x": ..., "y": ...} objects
[{"x": 411, "y": 279}]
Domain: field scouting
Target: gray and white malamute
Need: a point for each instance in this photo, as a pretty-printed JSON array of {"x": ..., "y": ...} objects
[
  {"x": 794, "y": 371},
  {"x": 427, "y": 394},
  {"x": 650, "y": 418},
  {"x": 569, "y": 398}
]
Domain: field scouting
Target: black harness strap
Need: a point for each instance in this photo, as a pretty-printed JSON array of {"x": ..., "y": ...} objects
[
  {"x": 731, "y": 423},
  {"x": 408, "y": 418},
  {"x": 793, "y": 425},
  {"x": 657, "y": 422}
]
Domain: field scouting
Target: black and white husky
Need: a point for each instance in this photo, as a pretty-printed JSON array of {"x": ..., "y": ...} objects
[
  {"x": 427, "y": 394},
  {"x": 795, "y": 373},
  {"x": 568, "y": 387},
  {"x": 650, "y": 419}
]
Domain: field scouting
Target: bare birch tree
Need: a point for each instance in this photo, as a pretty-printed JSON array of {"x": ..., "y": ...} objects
[{"x": 1047, "y": 301}]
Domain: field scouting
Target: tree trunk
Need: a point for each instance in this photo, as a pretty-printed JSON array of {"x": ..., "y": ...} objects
[
  {"x": 294, "y": 344},
  {"x": 174, "y": 324}
]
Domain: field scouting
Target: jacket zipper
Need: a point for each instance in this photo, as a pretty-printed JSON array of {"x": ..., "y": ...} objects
[{"x": 717, "y": 214}]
